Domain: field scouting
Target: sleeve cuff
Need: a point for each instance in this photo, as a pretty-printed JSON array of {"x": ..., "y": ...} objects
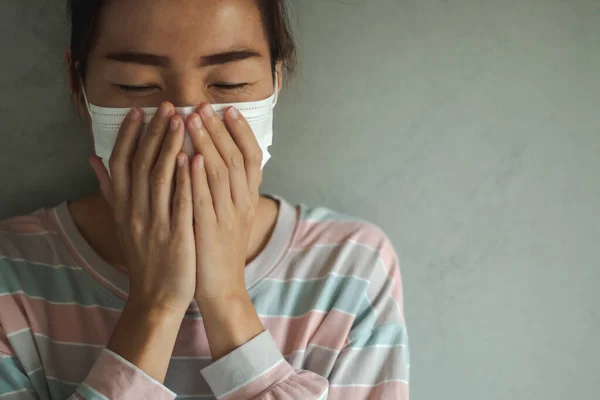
[
  {"x": 115, "y": 378},
  {"x": 250, "y": 369}
]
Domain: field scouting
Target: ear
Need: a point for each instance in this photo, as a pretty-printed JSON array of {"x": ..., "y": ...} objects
[{"x": 75, "y": 98}]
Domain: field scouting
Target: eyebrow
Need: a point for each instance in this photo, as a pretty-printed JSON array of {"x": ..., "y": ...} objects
[{"x": 164, "y": 61}]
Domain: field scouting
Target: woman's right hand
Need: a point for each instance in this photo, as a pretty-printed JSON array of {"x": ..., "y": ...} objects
[{"x": 154, "y": 226}]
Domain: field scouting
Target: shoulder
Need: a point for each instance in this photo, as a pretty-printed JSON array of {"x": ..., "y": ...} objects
[
  {"x": 27, "y": 242},
  {"x": 18, "y": 233},
  {"x": 325, "y": 228},
  {"x": 355, "y": 256}
]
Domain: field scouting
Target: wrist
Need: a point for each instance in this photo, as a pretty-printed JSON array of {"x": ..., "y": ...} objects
[
  {"x": 229, "y": 322},
  {"x": 156, "y": 309}
]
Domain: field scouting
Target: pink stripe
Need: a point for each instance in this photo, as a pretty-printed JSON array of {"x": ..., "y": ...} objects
[
  {"x": 192, "y": 340},
  {"x": 119, "y": 381},
  {"x": 323, "y": 329},
  {"x": 5, "y": 347},
  {"x": 389, "y": 390},
  {"x": 310, "y": 233},
  {"x": 57, "y": 321},
  {"x": 82, "y": 262},
  {"x": 25, "y": 224}
]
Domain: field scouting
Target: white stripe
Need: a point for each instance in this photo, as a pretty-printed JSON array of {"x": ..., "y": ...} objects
[
  {"x": 251, "y": 380},
  {"x": 74, "y": 248},
  {"x": 18, "y": 332},
  {"x": 52, "y": 378},
  {"x": 368, "y": 386},
  {"x": 28, "y": 233},
  {"x": 93, "y": 306},
  {"x": 69, "y": 343},
  {"x": 39, "y": 264},
  {"x": 16, "y": 392},
  {"x": 306, "y": 313},
  {"x": 35, "y": 370},
  {"x": 378, "y": 346},
  {"x": 135, "y": 368},
  {"x": 325, "y": 394},
  {"x": 319, "y": 278}
]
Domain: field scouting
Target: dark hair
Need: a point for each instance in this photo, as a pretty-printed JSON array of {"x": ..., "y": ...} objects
[{"x": 84, "y": 16}]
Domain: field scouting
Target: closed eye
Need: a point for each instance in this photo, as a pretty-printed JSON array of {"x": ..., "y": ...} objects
[
  {"x": 127, "y": 88},
  {"x": 229, "y": 86}
]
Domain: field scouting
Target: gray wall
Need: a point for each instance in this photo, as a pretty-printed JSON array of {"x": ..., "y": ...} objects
[{"x": 467, "y": 129}]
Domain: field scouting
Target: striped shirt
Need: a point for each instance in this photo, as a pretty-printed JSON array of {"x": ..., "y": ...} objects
[{"x": 327, "y": 288}]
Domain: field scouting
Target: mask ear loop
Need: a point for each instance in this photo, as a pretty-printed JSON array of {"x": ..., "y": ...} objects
[
  {"x": 276, "y": 89},
  {"x": 87, "y": 103}
]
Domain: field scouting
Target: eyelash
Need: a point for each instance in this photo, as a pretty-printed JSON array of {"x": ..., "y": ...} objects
[{"x": 227, "y": 87}]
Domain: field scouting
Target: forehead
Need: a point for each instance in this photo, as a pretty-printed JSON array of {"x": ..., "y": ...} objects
[{"x": 171, "y": 26}]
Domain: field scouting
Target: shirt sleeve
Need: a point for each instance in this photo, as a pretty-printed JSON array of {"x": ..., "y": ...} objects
[
  {"x": 112, "y": 377},
  {"x": 257, "y": 370},
  {"x": 374, "y": 363}
]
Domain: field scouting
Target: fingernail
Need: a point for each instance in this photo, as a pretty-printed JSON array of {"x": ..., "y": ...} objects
[
  {"x": 208, "y": 111},
  {"x": 181, "y": 161},
  {"x": 233, "y": 113},
  {"x": 165, "y": 109},
  {"x": 174, "y": 124},
  {"x": 199, "y": 162},
  {"x": 196, "y": 121}
]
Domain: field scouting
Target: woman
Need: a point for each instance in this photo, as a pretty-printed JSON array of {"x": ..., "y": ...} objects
[{"x": 179, "y": 279}]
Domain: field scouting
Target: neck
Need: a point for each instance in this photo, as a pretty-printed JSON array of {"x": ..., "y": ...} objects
[{"x": 94, "y": 219}]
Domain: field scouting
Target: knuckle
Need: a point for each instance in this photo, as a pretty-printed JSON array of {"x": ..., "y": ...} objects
[
  {"x": 221, "y": 174},
  {"x": 236, "y": 161},
  {"x": 256, "y": 158},
  {"x": 141, "y": 165},
  {"x": 137, "y": 226},
  {"x": 114, "y": 164},
  {"x": 181, "y": 203},
  {"x": 159, "y": 179}
]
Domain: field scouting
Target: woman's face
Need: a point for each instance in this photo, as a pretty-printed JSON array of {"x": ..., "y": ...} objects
[{"x": 182, "y": 51}]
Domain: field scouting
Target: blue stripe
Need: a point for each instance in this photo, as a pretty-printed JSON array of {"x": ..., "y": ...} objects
[
  {"x": 58, "y": 285},
  {"x": 60, "y": 389},
  {"x": 12, "y": 376},
  {"x": 296, "y": 298},
  {"x": 89, "y": 393},
  {"x": 389, "y": 334},
  {"x": 270, "y": 298}
]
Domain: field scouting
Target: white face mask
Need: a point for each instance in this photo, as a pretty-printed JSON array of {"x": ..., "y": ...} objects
[{"x": 106, "y": 123}]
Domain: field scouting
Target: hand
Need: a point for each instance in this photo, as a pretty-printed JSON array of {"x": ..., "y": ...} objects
[
  {"x": 154, "y": 226},
  {"x": 225, "y": 188}
]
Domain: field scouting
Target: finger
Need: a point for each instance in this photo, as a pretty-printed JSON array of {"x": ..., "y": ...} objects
[
  {"x": 216, "y": 170},
  {"x": 121, "y": 158},
  {"x": 246, "y": 141},
  {"x": 145, "y": 157},
  {"x": 183, "y": 207},
  {"x": 163, "y": 173},
  {"x": 204, "y": 211},
  {"x": 231, "y": 155}
]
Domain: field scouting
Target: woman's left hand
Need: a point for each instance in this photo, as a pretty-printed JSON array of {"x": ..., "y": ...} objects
[{"x": 226, "y": 176}]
